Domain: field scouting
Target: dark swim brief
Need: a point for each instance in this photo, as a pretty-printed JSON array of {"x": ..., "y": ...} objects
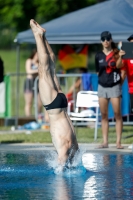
[{"x": 59, "y": 102}]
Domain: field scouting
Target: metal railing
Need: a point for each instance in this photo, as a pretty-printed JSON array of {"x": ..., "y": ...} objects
[
  {"x": 17, "y": 96},
  {"x": 126, "y": 119}
]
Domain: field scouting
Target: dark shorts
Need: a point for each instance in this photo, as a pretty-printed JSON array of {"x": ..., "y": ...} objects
[
  {"x": 109, "y": 92},
  {"x": 131, "y": 103},
  {"x": 29, "y": 85}
]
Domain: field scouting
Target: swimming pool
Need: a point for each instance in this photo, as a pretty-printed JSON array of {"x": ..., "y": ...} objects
[{"x": 26, "y": 175}]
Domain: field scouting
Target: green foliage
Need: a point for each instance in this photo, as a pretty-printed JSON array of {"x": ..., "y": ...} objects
[
  {"x": 7, "y": 36},
  {"x": 56, "y": 8},
  {"x": 17, "y": 13},
  {"x": 11, "y": 10}
]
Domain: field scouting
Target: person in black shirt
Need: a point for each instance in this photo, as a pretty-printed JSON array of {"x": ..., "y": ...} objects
[
  {"x": 107, "y": 63},
  {"x": 1, "y": 71}
]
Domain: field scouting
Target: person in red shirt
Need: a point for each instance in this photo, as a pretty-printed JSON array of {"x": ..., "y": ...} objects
[{"x": 128, "y": 66}]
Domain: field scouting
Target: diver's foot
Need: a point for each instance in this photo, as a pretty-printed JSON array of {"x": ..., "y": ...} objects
[{"x": 36, "y": 28}]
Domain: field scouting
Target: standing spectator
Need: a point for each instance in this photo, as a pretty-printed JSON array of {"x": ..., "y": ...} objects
[
  {"x": 128, "y": 66},
  {"x": 2, "y": 87},
  {"x": 31, "y": 66},
  {"x": 109, "y": 85}
]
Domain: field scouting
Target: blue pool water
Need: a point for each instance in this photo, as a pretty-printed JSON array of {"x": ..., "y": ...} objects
[{"x": 34, "y": 176}]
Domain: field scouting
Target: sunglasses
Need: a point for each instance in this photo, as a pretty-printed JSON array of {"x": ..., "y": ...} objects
[{"x": 106, "y": 38}]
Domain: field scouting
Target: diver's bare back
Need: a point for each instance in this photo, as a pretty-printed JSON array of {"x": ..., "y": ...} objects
[{"x": 62, "y": 130}]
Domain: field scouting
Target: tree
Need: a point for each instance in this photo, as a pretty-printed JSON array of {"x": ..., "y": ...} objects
[
  {"x": 17, "y": 13},
  {"x": 48, "y": 10}
]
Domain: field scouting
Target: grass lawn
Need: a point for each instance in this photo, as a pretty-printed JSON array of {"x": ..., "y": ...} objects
[
  {"x": 84, "y": 135},
  {"x": 9, "y": 58}
]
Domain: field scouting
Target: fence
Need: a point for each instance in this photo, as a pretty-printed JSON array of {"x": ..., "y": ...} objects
[{"x": 17, "y": 102}]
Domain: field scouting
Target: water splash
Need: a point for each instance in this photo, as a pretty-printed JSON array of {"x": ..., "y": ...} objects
[{"x": 74, "y": 169}]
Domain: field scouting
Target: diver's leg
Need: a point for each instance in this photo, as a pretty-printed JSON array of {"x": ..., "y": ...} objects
[
  {"x": 52, "y": 59},
  {"x": 52, "y": 63},
  {"x": 47, "y": 87},
  {"x": 116, "y": 103}
]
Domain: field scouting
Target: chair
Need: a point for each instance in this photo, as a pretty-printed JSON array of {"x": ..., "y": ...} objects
[{"x": 86, "y": 99}]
